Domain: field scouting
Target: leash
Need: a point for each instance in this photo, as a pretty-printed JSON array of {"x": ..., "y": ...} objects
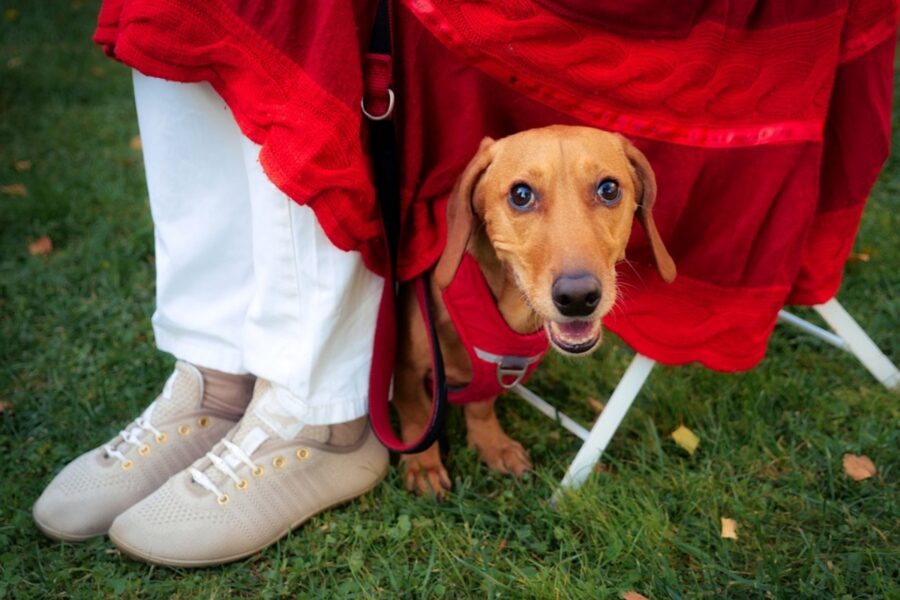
[{"x": 378, "y": 106}]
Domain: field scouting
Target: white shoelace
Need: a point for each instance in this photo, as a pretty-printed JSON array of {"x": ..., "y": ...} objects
[
  {"x": 131, "y": 435},
  {"x": 232, "y": 456}
]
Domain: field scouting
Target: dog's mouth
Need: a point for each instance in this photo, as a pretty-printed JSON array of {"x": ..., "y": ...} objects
[{"x": 575, "y": 337}]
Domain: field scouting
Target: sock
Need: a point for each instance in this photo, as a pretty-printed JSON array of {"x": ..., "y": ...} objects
[
  {"x": 347, "y": 434},
  {"x": 226, "y": 392}
]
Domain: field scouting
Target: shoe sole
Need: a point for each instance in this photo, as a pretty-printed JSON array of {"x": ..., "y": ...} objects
[{"x": 136, "y": 554}]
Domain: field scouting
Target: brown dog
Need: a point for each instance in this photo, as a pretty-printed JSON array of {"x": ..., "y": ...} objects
[{"x": 547, "y": 214}]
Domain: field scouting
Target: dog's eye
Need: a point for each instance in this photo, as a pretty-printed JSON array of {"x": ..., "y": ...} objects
[
  {"x": 609, "y": 193},
  {"x": 521, "y": 197}
]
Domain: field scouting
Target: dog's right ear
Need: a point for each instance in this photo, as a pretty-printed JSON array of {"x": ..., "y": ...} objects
[{"x": 461, "y": 214}]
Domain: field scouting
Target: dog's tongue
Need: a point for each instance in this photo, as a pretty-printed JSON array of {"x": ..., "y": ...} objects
[{"x": 575, "y": 330}]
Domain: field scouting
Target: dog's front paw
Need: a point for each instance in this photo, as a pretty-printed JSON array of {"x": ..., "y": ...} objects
[
  {"x": 425, "y": 474},
  {"x": 503, "y": 454}
]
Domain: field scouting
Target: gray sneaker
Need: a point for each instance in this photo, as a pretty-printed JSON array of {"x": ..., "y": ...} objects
[
  {"x": 250, "y": 490},
  {"x": 84, "y": 498}
]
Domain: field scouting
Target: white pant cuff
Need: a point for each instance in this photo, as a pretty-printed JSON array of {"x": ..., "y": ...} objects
[{"x": 200, "y": 353}]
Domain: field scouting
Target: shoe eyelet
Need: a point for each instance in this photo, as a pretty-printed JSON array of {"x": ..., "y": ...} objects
[
  {"x": 259, "y": 471},
  {"x": 184, "y": 429},
  {"x": 127, "y": 464},
  {"x": 278, "y": 462},
  {"x": 242, "y": 485},
  {"x": 203, "y": 422},
  {"x": 302, "y": 453},
  {"x": 144, "y": 450},
  {"x": 162, "y": 438},
  {"x": 223, "y": 499}
]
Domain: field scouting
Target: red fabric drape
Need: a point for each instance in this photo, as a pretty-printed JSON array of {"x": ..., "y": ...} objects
[{"x": 766, "y": 123}]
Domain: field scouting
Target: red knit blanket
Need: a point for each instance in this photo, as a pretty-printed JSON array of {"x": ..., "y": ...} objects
[{"x": 766, "y": 123}]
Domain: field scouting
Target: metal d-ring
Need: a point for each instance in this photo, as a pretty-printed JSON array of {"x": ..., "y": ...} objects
[{"x": 387, "y": 113}]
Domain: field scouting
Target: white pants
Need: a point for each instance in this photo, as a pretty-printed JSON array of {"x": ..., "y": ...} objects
[{"x": 246, "y": 279}]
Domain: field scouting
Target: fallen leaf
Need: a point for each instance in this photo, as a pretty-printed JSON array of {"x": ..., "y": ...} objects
[
  {"x": 602, "y": 468},
  {"x": 14, "y": 63},
  {"x": 632, "y": 595},
  {"x": 729, "y": 528},
  {"x": 686, "y": 438},
  {"x": 859, "y": 467},
  {"x": 859, "y": 257},
  {"x": 11, "y": 14},
  {"x": 14, "y": 189},
  {"x": 830, "y": 565},
  {"x": 596, "y": 405},
  {"x": 22, "y": 165},
  {"x": 554, "y": 436},
  {"x": 135, "y": 143},
  {"x": 6, "y": 408},
  {"x": 502, "y": 545},
  {"x": 41, "y": 246}
]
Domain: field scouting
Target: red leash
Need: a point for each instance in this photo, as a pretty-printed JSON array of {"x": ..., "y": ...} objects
[{"x": 378, "y": 106}]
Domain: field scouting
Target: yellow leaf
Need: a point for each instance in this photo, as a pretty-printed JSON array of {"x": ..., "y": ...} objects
[
  {"x": 859, "y": 257},
  {"x": 596, "y": 405},
  {"x": 686, "y": 438},
  {"x": 41, "y": 246},
  {"x": 22, "y": 165},
  {"x": 11, "y": 14},
  {"x": 632, "y": 595},
  {"x": 729, "y": 528},
  {"x": 14, "y": 189},
  {"x": 859, "y": 467},
  {"x": 135, "y": 143}
]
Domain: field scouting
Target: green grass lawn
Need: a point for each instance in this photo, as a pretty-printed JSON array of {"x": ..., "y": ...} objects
[{"x": 77, "y": 361}]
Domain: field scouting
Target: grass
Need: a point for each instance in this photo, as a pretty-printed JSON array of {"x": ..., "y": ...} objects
[{"x": 77, "y": 361}]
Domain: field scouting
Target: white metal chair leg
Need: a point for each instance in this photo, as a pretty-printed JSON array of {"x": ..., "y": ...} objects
[
  {"x": 859, "y": 343},
  {"x": 607, "y": 423}
]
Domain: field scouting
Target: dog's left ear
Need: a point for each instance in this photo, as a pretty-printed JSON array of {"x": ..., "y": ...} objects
[
  {"x": 461, "y": 214},
  {"x": 645, "y": 183}
]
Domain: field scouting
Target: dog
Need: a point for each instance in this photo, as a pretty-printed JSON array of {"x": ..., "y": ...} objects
[{"x": 546, "y": 213}]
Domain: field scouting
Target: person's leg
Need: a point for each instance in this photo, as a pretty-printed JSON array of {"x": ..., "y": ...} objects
[
  {"x": 199, "y": 199},
  {"x": 304, "y": 443}
]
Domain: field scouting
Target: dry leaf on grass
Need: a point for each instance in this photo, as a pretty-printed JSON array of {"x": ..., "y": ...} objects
[
  {"x": 5, "y": 408},
  {"x": 633, "y": 596},
  {"x": 135, "y": 143},
  {"x": 41, "y": 246},
  {"x": 11, "y": 14},
  {"x": 596, "y": 404},
  {"x": 14, "y": 63},
  {"x": 859, "y": 257},
  {"x": 859, "y": 467},
  {"x": 22, "y": 165},
  {"x": 14, "y": 189},
  {"x": 729, "y": 528},
  {"x": 686, "y": 438}
]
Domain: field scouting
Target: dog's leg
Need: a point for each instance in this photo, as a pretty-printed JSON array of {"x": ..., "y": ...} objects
[
  {"x": 499, "y": 451},
  {"x": 424, "y": 472}
]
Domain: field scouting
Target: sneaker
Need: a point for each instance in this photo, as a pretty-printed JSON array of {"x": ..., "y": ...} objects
[
  {"x": 251, "y": 489},
  {"x": 84, "y": 498}
]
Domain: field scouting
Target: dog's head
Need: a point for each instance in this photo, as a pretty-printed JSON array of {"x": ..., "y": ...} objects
[{"x": 557, "y": 206}]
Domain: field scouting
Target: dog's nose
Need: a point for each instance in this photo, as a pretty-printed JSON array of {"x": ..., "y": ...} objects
[{"x": 576, "y": 295}]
